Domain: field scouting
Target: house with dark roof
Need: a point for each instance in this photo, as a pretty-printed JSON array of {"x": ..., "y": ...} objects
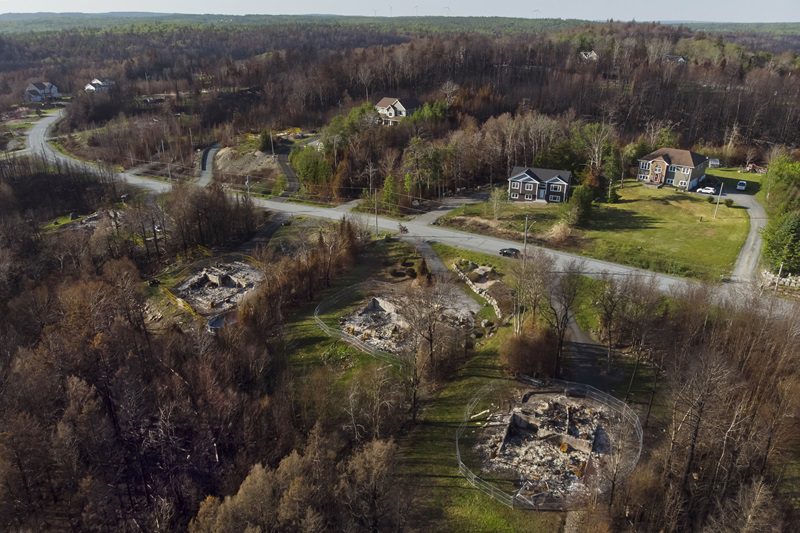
[
  {"x": 41, "y": 91},
  {"x": 539, "y": 185},
  {"x": 392, "y": 111},
  {"x": 682, "y": 169}
]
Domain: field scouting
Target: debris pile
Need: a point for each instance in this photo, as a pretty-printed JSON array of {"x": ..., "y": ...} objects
[
  {"x": 550, "y": 441},
  {"x": 219, "y": 288},
  {"x": 381, "y": 324}
]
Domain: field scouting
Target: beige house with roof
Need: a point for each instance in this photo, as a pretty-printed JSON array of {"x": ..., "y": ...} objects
[
  {"x": 682, "y": 169},
  {"x": 392, "y": 111}
]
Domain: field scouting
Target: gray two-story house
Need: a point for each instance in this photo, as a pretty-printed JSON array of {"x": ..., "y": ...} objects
[
  {"x": 539, "y": 185},
  {"x": 682, "y": 169}
]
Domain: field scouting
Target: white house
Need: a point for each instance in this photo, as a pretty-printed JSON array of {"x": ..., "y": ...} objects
[
  {"x": 98, "y": 85},
  {"x": 591, "y": 55},
  {"x": 391, "y": 110},
  {"x": 41, "y": 91}
]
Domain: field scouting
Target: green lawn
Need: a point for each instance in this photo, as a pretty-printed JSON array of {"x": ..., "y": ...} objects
[
  {"x": 667, "y": 231},
  {"x": 658, "y": 229},
  {"x": 59, "y": 222},
  {"x": 444, "y": 500}
]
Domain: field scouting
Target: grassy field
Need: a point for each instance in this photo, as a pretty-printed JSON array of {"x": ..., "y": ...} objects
[
  {"x": 657, "y": 229},
  {"x": 445, "y": 501}
]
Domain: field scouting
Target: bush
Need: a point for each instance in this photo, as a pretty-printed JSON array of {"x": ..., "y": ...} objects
[
  {"x": 711, "y": 199},
  {"x": 782, "y": 243},
  {"x": 533, "y": 353},
  {"x": 579, "y": 206},
  {"x": 728, "y": 202},
  {"x": 559, "y": 233}
]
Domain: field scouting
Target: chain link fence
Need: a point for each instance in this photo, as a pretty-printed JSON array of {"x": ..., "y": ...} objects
[
  {"x": 625, "y": 453},
  {"x": 355, "y": 292}
]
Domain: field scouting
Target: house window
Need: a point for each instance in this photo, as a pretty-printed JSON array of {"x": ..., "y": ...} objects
[
  {"x": 670, "y": 181},
  {"x": 682, "y": 183},
  {"x": 515, "y": 185},
  {"x": 514, "y": 195},
  {"x": 672, "y": 168},
  {"x": 642, "y": 177},
  {"x": 555, "y": 188},
  {"x": 529, "y": 186},
  {"x": 554, "y": 198},
  {"x": 644, "y": 165},
  {"x": 529, "y": 197},
  {"x": 687, "y": 171}
]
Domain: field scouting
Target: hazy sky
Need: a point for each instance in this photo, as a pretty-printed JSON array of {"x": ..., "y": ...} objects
[{"x": 707, "y": 10}]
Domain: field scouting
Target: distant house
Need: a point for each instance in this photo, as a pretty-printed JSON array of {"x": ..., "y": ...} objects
[
  {"x": 539, "y": 185},
  {"x": 392, "y": 111},
  {"x": 682, "y": 169},
  {"x": 41, "y": 91},
  {"x": 98, "y": 85},
  {"x": 713, "y": 163},
  {"x": 678, "y": 60},
  {"x": 591, "y": 55}
]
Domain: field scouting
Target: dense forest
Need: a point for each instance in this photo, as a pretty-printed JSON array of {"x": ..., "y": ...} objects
[{"x": 111, "y": 420}]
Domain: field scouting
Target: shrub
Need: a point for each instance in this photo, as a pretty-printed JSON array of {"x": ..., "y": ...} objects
[
  {"x": 782, "y": 242},
  {"x": 559, "y": 233},
  {"x": 728, "y": 202},
  {"x": 533, "y": 353},
  {"x": 579, "y": 206},
  {"x": 711, "y": 199}
]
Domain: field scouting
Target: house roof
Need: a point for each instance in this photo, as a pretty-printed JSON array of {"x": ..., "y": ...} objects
[
  {"x": 40, "y": 85},
  {"x": 676, "y": 156},
  {"x": 539, "y": 174},
  {"x": 386, "y": 101},
  {"x": 408, "y": 103}
]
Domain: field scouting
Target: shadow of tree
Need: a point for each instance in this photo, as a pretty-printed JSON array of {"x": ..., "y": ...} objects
[{"x": 620, "y": 219}]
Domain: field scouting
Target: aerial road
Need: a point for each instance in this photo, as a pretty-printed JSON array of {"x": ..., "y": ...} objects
[{"x": 741, "y": 286}]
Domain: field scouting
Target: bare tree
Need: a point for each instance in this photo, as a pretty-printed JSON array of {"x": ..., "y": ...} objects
[
  {"x": 561, "y": 307},
  {"x": 609, "y": 303}
]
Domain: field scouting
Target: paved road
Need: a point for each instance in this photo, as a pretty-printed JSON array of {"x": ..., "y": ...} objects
[
  {"x": 207, "y": 166},
  {"x": 746, "y": 267},
  {"x": 420, "y": 229},
  {"x": 292, "y": 183}
]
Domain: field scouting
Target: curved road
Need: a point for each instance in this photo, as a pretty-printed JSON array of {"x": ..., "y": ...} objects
[
  {"x": 739, "y": 290},
  {"x": 746, "y": 267}
]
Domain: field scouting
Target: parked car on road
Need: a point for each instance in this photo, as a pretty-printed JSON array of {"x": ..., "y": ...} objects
[
  {"x": 509, "y": 252},
  {"x": 741, "y": 186},
  {"x": 707, "y": 190}
]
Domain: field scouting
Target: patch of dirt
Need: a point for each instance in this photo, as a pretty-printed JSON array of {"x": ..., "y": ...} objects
[
  {"x": 482, "y": 226},
  {"x": 232, "y": 166}
]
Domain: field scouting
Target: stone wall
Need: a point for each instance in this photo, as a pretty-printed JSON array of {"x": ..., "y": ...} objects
[
  {"x": 791, "y": 283},
  {"x": 480, "y": 292}
]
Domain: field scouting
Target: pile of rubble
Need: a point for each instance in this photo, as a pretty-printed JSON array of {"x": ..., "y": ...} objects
[
  {"x": 551, "y": 442},
  {"x": 219, "y": 288},
  {"x": 379, "y": 324}
]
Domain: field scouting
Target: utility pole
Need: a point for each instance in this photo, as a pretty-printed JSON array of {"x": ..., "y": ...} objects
[
  {"x": 778, "y": 279},
  {"x": 271, "y": 143},
  {"x": 525, "y": 245},
  {"x": 371, "y": 171},
  {"x": 722, "y": 185}
]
